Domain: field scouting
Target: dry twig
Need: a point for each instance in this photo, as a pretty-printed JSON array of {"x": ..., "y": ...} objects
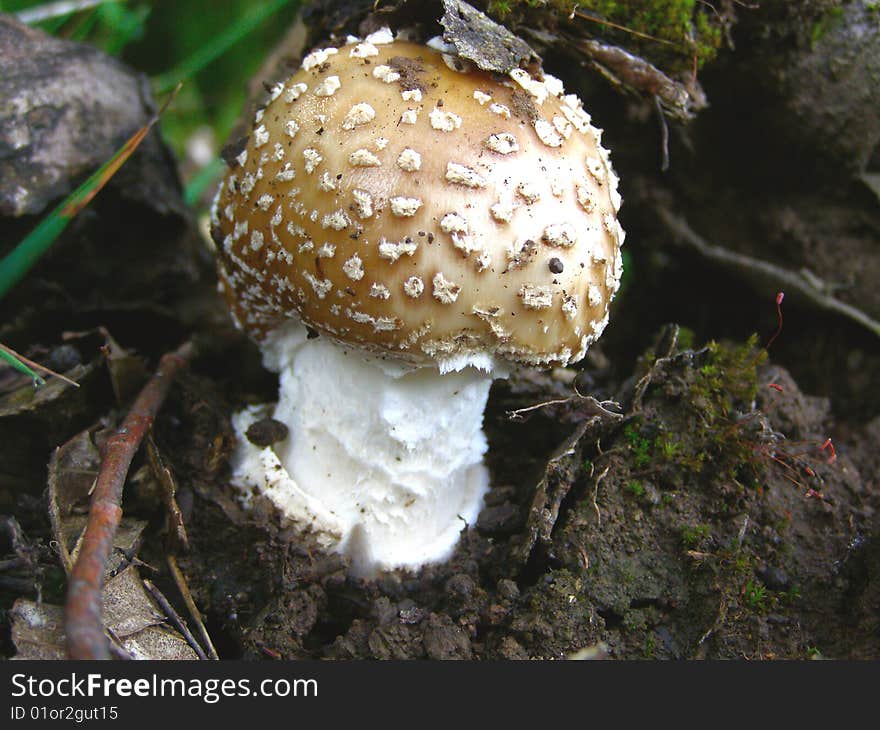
[
  {"x": 177, "y": 537},
  {"x": 82, "y": 616},
  {"x": 680, "y": 101},
  {"x": 175, "y": 618},
  {"x": 550, "y": 492},
  {"x": 596, "y": 496},
  {"x": 182, "y": 586}
]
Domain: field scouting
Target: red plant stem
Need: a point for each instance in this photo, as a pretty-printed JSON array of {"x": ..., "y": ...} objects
[
  {"x": 832, "y": 452},
  {"x": 779, "y": 297},
  {"x": 82, "y": 616}
]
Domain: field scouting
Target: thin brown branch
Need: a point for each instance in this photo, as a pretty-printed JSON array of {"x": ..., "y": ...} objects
[{"x": 82, "y": 616}]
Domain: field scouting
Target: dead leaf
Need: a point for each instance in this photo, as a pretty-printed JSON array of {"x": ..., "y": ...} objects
[
  {"x": 128, "y": 608},
  {"x": 73, "y": 469},
  {"x": 130, "y": 617}
]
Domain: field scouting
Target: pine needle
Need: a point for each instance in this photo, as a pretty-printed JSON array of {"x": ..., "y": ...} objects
[{"x": 631, "y": 31}]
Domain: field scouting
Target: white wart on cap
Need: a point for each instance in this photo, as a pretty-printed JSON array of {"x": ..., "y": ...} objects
[{"x": 390, "y": 201}]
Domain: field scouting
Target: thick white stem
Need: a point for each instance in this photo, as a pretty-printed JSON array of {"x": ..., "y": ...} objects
[{"x": 384, "y": 463}]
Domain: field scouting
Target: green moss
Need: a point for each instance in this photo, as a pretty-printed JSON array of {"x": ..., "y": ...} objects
[
  {"x": 686, "y": 28},
  {"x": 504, "y": 8},
  {"x": 638, "y": 445},
  {"x": 499, "y": 8},
  {"x": 686, "y": 338},
  {"x": 635, "y": 620},
  {"x": 742, "y": 564},
  {"x": 719, "y": 400},
  {"x": 650, "y": 646},
  {"x": 636, "y": 488},
  {"x": 654, "y": 447},
  {"x": 667, "y": 447},
  {"x": 697, "y": 422},
  {"x": 693, "y": 535},
  {"x": 728, "y": 377},
  {"x": 792, "y": 595},
  {"x": 755, "y": 596}
]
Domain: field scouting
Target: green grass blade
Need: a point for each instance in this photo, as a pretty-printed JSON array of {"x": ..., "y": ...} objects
[
  {"x": 20, "y": 260},
  {"x": 82, "y": 26},
  {"x": 208, "y": 53},
  {"x": 128, "y": 24},
  {"x": 20, "y": 366}
]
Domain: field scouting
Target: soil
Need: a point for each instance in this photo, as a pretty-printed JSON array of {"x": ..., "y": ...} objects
[
  {"x": 672, "y": 539},
  {"x": 705, "y": 516}
]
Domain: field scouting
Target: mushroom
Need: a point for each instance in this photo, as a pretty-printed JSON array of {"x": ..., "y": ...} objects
[{"x": 398, "y": 229}]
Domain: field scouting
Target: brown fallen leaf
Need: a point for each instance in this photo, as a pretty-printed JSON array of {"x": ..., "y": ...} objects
[{"x": 131, "y": 617}]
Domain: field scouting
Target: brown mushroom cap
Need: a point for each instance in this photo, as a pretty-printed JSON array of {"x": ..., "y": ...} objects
[{"x": 390, "y": 201}]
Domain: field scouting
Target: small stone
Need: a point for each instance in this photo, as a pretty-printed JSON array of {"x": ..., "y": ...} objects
[
  {"x": 776, "y": 579},
  {"x": 504, "y": 518},
  {"x": 266, "y": 431},
  {"x": 63, "y": 358},
  {"x": 507, "y": 589},
  {"x": 409, "y": 612},
  {"x": 460, "y": 585}
]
